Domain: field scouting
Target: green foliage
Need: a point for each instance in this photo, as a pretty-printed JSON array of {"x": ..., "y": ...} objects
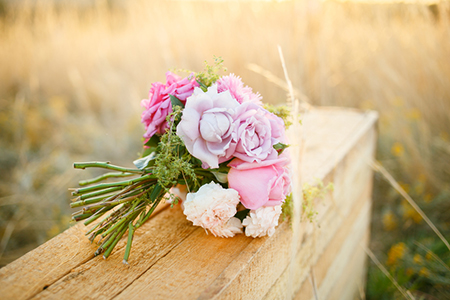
[
  {"x": 287, "y": 208},
  {"x": 173, "y": 163},
  {"x": 210, "y": 74},
  {"x": 282, "y": 111},
  {"x": 310, "y": 193}
]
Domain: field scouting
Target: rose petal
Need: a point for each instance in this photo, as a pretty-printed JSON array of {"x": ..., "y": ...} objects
[{"x": 252, "y": 185}]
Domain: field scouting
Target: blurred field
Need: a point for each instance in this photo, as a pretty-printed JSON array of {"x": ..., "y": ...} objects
[{"x": 72, "y": 77}]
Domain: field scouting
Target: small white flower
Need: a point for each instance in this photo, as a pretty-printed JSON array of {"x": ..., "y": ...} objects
[
  {"x": 212, "y": 207},
  {"x": 262, "y": 221}
]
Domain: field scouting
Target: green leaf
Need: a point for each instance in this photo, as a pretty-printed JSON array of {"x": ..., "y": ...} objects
[
  {"x": 175, "y": 101},
  {"x": 280, "y": 147},
  {"x": 148, "y": 151},
  {"x": 153, "y": 141},
  {"x": 242, "y": 214},
  {"x": 143, "y": 162},
  {"x": 202, "y": 86},
  {"x": 155, "y": 193}
]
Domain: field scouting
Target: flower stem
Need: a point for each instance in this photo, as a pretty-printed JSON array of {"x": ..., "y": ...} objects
[
  {"x": 131, "y": 230},
  {"x": 101, "y": 186},
  {"x": 105, "y": 176},
  {"x": 104, "y": 165}
]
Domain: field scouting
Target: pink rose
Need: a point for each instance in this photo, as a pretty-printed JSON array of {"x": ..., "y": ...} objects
[
  {"x": 179, "y": 87},
  {"x": 265, "y": 184},
  {"x": 237, "y": 89},
  {"x": 257, "y": 130},
  {"x": 157, "y": 107},
  {"x": 207, "y": 125},
  {"x": 158, "y": 104}
]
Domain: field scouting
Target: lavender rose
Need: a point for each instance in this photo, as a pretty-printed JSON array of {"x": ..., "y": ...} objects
[
  {"x": 257, "y": 130},
  {"x": 206, "y": 125}
]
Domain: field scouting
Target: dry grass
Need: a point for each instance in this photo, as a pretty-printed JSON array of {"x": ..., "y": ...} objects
[{"x": 72, "y": 78}]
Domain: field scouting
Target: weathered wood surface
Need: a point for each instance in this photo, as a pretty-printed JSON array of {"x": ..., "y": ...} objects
[{"x": 171, "y": 259}]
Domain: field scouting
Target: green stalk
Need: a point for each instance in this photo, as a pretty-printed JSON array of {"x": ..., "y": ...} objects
[
  {"x": 152, "y": 209},
  {"x": 101, "y": 186},
  {"x": 114, "y": 203},
  {"x": 104, "y": 165},
  {"x": 105, "y": 176},
  {"x": 100, "y": 192},
  {"x": 131, "y": 230},
  {"x": 80, "y": 217},
  {"x": 89, "y": 198},
  {"x": 116, "y": 240},
  {"x": 110, "y": 241},
  {"x": 122, "y": 220},
  {"x": 98, "y": 214}
]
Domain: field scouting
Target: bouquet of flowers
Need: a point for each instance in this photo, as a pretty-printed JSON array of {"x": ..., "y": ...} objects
[{"x": 210, "y": 144}]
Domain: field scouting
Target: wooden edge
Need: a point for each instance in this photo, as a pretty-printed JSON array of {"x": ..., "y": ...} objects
[{"x": 368, "y": 120}]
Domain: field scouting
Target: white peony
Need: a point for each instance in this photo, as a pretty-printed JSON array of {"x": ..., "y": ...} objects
[
  {"x": 212, "y": 207},
  {"x": 262, "y": 221}
]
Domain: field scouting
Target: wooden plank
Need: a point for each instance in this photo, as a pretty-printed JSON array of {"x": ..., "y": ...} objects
[
  {"x": 295, "y": 278},
  {"x": 352, "y": 278},
  {"x": 172, "y": 259},
  {"x": 40, "y": 268},
  {"x": 104, "y": 279}
]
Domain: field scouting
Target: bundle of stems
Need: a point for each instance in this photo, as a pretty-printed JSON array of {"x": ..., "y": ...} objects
[{"x": 124, "y": 205}]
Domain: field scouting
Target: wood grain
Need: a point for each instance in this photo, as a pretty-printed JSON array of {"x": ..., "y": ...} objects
[{"x": 171, "y": 259}]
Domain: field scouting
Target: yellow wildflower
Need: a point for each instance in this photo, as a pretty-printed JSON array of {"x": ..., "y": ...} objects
[
  {"x": 389, "y": 221},
  {"x": 397, "y": 149},
  {"x": 395, "y": 253},
  {"x": 409, "y": 272},
  {"x": 410, "y": 213},
  {"x": 414, "y": 114},
  {"x": 428, "y": 198},
  {"x": 405, "y": 187},
  {"x": 419, "y": 189},
  {"x": 424, "y": 272},
  {"x": 418, "y": 259},
  {"x": 428, "y": 256}
]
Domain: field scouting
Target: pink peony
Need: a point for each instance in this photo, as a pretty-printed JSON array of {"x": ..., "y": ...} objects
[
  {"x": 237, "y": 89},
  {"x": 262, "y": 222},
  {"x": 158, "y": 104},
  {"x": 207, "y": 125},
  {"x": 257, "y": 130},
  {"x": 212, "y": 207},
  {"x": 260, "y": 184}
]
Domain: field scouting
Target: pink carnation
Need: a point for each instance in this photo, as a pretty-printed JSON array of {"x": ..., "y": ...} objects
[
  {"x": 262, "y": 222},
  {"x": 158, "y": 105},
  {"x": 237, "y": 89},
  {"x": 232, "y": 227}
]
